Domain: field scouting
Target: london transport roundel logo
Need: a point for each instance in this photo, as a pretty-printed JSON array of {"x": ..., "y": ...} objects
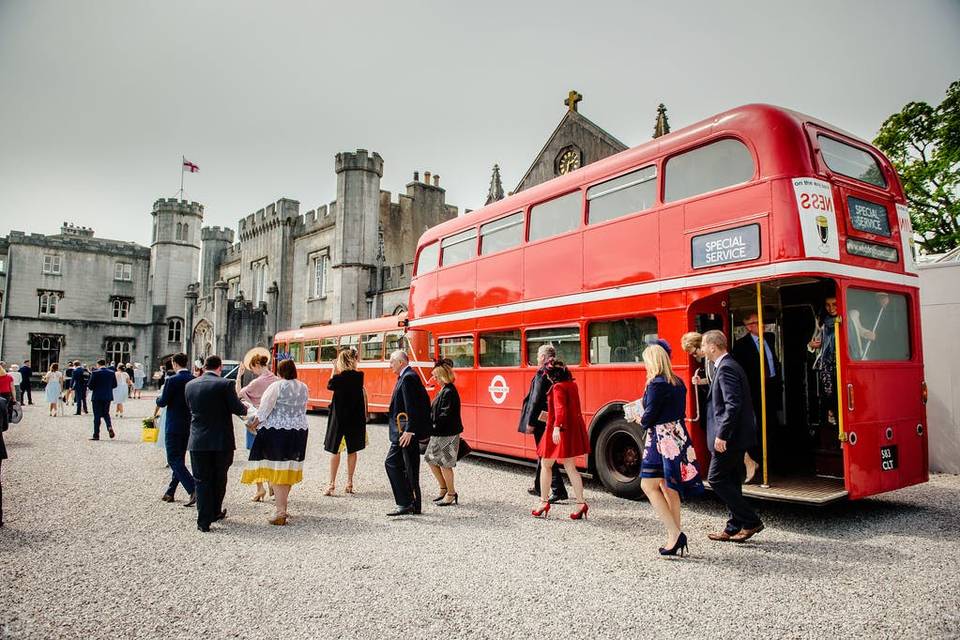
[{"x": 498, "y": 389}]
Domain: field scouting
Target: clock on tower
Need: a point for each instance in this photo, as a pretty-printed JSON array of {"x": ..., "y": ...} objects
[{"x": 568, "y": 160}]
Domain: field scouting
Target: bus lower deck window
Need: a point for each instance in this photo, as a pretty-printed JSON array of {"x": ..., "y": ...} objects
[{"x": 621, "y": 341}]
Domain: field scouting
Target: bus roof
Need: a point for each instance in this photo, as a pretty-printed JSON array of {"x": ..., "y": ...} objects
[
  {"x": 375, "y": 325},
  {"x": 751, "y": 118}
]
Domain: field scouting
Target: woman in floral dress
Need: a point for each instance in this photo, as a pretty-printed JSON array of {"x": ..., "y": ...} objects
[{"x": 669, "y": 470}]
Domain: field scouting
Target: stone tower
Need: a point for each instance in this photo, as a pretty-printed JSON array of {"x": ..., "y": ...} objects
[
  {"x": 216, "y": 241},
  {"x": 174, "y": 264},
  {"x": 354, "y": 259}
]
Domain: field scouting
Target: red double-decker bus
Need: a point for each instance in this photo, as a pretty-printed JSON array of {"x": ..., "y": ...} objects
[
  {"x": 314, "y": 349},
  {"x": 756, "y": 210}
]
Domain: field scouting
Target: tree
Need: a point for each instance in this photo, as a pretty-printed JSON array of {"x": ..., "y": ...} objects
[{"x": 923, "y": 143}]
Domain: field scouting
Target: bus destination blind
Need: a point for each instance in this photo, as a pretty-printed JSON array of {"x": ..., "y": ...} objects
[
  {"x": 868, "y": 217},
  {"x": 725, "y": 247}
]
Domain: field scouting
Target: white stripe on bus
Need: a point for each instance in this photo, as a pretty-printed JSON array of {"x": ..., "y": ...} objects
[
  {"x": 314, "y": 366},
  {"x": 687, "y": 282}
]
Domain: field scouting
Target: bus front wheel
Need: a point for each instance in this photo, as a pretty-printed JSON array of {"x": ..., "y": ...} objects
[{"x": 618, "y": 454}]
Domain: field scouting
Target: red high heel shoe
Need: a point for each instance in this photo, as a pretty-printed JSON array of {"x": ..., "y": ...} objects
[
  {"x": 581, "y": 513},
  {"x": 542, "y": 512}
]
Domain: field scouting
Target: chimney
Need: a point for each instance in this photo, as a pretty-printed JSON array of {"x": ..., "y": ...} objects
[
  {"x": 416, "y": 176},
  {"x": 426, "y": 177},
  {"x": 436, "y": 180}
]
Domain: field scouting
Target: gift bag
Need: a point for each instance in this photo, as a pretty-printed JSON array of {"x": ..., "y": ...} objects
[{"x": 149, "y": 432}]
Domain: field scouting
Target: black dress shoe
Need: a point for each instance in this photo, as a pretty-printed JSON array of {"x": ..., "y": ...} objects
[
  {"x": 403, "y": 511},
  {"x": 204, "y": 528},
  {"x": 95, "y": 438},
  {"x": 193, "y": 500},
  {"x": 221, "y": 515},
  {"x": 533, "y": 491},
  {"x": 555, "y": 498},
  {"x": 167, "y": 497}
]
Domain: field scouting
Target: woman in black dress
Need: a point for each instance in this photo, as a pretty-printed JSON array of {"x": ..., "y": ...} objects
[
  {"x": 347, "y": 419},
  {"x": 441, "y": 453}
]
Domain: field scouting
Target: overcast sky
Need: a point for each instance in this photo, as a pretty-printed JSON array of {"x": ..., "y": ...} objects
[{"x": 99, "y": 100}]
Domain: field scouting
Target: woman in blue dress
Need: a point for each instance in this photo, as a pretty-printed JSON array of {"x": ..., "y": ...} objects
[{"x": 669, "y": 469}]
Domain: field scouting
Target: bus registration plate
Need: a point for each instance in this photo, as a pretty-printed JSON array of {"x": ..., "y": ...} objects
[{"x": 888, "y": 458}]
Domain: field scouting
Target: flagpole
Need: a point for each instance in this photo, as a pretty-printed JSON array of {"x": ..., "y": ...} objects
[{"x": 183, "y": 159}]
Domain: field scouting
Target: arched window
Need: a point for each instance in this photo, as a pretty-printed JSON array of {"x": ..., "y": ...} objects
[
  {"x": 174, "y": 330},
  {"x": 121, "y": 309},
  {"x": 118, "y": 351},
  {"x": 186, "y": 232},
  {"x": 179, "y": 230},
  {"x": 48, "y": 303}
]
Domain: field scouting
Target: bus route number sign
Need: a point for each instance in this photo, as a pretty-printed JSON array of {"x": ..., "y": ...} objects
[
  {"x": 725, "y": 247},
  {"x": 888, "y": 457}
]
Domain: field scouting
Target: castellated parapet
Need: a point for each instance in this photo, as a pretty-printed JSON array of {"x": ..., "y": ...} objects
[
  {"x": 178, "y": 206},
  {"x": 360, "y": 160},
  {"x": 213, "y": 234},
  {"x": 282, "y": 212}
]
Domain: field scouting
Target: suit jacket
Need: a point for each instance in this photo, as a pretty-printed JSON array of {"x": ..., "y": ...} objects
[
  {"x": 80, "y": 378},
  {"x": 663, "y": 403},
  {"x": 26, "y": 372},
  {"x": 102, "y": 383},
  {"x": 730, "y": 408},
  {"x": 445, "y": 412},
  {"x": 410, "y": 397},
  {"x": 213, "y": 402},
  {"x": 534, "y": 404},
  {"x": 745, "y": 352},
  {"x": 172, "y": 397}
]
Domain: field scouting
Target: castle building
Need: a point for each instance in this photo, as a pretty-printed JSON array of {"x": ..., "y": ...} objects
[{"x": 210, "y": 290}]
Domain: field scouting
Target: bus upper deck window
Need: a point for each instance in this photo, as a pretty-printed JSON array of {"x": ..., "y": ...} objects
[
  {"x": 458, "y": 247},
  {"x": 714, "y": 166},
  {"x": 850, "y": 161},
  {"x": 556, "y": 216},
  {"x": 501, "y": 234},
  {"x": 429, "y": 258},
  {"x": 623, "y": 195}
]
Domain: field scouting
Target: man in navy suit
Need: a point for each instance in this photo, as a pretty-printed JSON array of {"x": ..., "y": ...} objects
[
  {"x": 177, "y": 428},
  {"x": 731, "y": 430},
  {"x": 102, "y": 383},
  {"x": 746, "y": 351},
  {"x": 403, "y": 458},
  {"x": 213, "y": 402},
  {"x": 27, "y": 373},
  {"x": 80, "y": 379}
]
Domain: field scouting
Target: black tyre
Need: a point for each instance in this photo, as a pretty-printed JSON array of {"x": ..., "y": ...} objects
[{"x": 617, "y": 457}]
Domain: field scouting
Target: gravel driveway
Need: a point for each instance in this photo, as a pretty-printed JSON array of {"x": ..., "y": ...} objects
[{"x": 90, "y": 551}]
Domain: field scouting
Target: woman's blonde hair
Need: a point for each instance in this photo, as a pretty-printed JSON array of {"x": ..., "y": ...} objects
[
  {"x": 691, "y": 340},
  {"x": 346, "y": 360},
  {"x": 258, "y": 360},
  {"x": 657, "y": 361},
  {"x": 444, "y": 373}
]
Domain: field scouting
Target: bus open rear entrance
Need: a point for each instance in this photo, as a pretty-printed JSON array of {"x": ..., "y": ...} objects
[{"x": 834, "y": 353}]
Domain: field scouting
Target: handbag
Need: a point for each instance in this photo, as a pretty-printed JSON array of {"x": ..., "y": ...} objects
[
  {"x": 16, "y": 413},
  {"x": 149, "y": 432},
  {"x": 464, "y": 449}
]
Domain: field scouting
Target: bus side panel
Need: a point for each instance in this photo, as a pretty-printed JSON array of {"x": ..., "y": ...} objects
[
  {"x": 467, "y": 388},
  {"x": 499, "y": 278},
  {"x": 457, "y": 287},
  {"x": 423, "y": 295},
  {"x": 499, "y": 397},
  {"x": 609, "y": 259},
  {"x": 550, "y": 266}
]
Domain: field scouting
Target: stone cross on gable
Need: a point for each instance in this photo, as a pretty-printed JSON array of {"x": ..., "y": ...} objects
[{"x": 572, "y": 99}]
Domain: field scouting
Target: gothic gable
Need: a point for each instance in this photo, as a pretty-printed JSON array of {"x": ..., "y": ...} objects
[{"x": 574, "y": 143}]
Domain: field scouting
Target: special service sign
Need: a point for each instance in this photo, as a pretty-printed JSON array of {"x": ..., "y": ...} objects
[{"x": 725, "y": 247}]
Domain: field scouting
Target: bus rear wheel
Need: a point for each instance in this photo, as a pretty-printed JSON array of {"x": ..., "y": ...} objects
[{"x": 617, "y": 457}]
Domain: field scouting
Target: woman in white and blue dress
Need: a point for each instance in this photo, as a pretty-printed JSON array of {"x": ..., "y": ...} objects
[
  {"x": 281, "y": 442},
  {"x": 122, "y": 391},
  {"x": 54, "y": 388}
]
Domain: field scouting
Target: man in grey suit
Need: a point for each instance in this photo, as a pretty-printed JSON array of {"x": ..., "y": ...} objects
[
  {"x": 213, "y": 402},
  {"x": 731, "y": 430}
]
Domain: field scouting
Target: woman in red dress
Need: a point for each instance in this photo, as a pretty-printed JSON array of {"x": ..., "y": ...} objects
[{"x": 565, "y": 437}]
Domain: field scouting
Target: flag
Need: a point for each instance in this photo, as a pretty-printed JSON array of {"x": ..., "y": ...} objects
[{"x": 189, "y": 166}]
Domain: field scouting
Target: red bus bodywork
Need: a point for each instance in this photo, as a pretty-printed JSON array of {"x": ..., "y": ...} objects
[
  {"x": 640, "y": 264},
  {"x": 314, "y": 349}
]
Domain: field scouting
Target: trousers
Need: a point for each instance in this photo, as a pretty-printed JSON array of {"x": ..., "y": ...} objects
[
  {"x": 176, "y": 445},
  {"x": 25, "y": 391},
  {"x": 726, "y": 479},
  {"x": 557, "y": 487},
  {"x": 101, "y": 409},
  {"x": 403, "y": 470},
  {"x": 80, "y": 396},
  {"x": 210, "y": 472}
]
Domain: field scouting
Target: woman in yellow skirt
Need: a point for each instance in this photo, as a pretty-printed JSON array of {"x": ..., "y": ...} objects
[{"x": 280, "y": 444}]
